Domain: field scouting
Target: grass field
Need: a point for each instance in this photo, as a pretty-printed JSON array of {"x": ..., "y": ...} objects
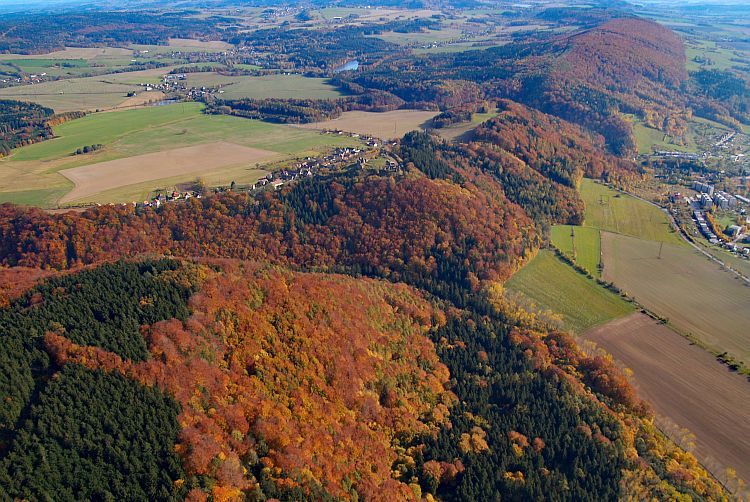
[
  {"x": 713, "y": 403},
  {"x": 31, "y": 174},
  {"x": 74, "y": 61},
  {"x": 384, "y": 125},
  {"x": 270, "y": 86},
  {"x": 83, "y": 94},
  {"x": 609, "y": 210},
  {"x": 717, "y": 57},
  {"x": 460, "y": 131},
  {"x": 583, "y": 246},
  {"x": 426, "y": 37},
  {"x": 553, "y": 285},
  {"x": 695, "y": 295},
  {"x": 649, "y": 140}
]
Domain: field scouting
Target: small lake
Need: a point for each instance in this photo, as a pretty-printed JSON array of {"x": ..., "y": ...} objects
[
  {"x": 163, "y": 102},
  {"x": 348, "y": 66}
]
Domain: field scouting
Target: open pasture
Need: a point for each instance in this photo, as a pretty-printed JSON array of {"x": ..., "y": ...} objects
[
  {"x": 553, "y": 285},
  {"x": 200, "y": 45},
  {"x": 659, "y": 359},
  {"x": 694, "y": 293},
  {"x": 709, "y": 54},
  {"x": 609, "y": 210},
  {"x": 463, "y": 130},
  {"x": 581, "y": 244},
  {"x": 267, "y": 86},
  {"x": 93, "y": 179},
  {"x": 421, "y": 37},
  {"x": 73, "y": 61},
  {"x": 31, "y": 172},
  {"x": 386, "y": 125},
  {"x": 76, "y": 53},
  {"x": 84, "y": 94}
]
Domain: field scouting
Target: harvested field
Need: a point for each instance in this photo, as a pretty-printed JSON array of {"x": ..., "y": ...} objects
[
  {"x": 31, "y": 175},
  {"x": 264, "y": 87},
  {"x": 84, "y": 94},
  {"x": 75, "y": 53},
  {"x": 694, "y": 293},
  {"x": 707, "y": 399},
  {"x": 384, "y": 125},
  {"x": 95, "y": 178},
  {"x": 464, "y": 131}
]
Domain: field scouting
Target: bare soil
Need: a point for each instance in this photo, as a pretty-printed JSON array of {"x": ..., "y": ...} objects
[
  {"x": 694, "y": 293},
  {"x": 96, "y": 178},
  {"x": 685, "y": 384}
]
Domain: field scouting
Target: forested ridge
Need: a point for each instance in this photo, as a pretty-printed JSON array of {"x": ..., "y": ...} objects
[
  {"x": 409, "y": 377},
  {"x": 43, "y": 32}
]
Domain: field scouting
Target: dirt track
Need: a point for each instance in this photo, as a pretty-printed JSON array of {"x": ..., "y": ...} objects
[
  {"x": 686, "y": 384},
  {"x": 95, "y": 178}
]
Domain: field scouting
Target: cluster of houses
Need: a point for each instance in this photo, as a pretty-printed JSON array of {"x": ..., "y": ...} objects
[
  {"x": 370, "y": 141},
  {"x": 308, "y": 166},
  {"x": 734, "y": 248},
  {"x": 163, "y": 198},
  {"x": 677, "y": 155}
]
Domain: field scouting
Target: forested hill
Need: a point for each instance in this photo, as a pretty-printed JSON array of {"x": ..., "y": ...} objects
[
  {"x": 589, "y": 77},
  {"x": 410, "y": 377},
  {"x": 247, "y": 380},
  {"x": 629, "y": 65},
  {"x": 22, "y": 124}
]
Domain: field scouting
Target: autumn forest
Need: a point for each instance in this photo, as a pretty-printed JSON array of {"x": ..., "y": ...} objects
[{"x": 349, "y": 335}]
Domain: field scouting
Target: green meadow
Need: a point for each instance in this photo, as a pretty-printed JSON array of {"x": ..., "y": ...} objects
[
  {"x": 581, "y": 244},
  {"x": 31, "y": 174},
  {"x": 267, "y": 86},
  {"x": 551, "y": 284},
  {"x": 613, "y": 211}
]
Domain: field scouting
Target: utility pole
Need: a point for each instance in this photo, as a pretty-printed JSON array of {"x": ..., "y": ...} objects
[{"x": 573, "y": 242}]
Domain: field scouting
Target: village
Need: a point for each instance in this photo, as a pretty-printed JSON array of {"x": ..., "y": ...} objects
[{"x": 374, "y": 156}]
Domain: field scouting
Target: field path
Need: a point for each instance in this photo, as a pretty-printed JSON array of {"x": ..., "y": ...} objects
[
  {"x": 96, "y": 178},
  {"x": 686, "y": 384}
]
